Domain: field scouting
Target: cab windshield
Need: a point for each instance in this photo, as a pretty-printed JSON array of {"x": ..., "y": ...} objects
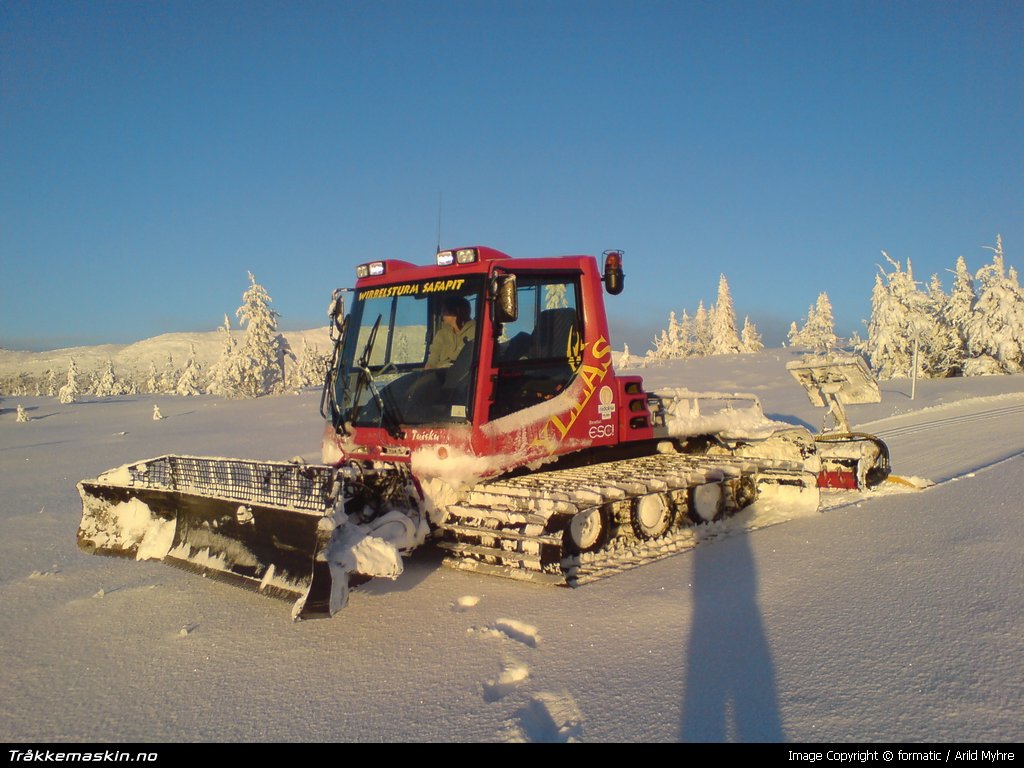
[{"x": 409, "y": 354}]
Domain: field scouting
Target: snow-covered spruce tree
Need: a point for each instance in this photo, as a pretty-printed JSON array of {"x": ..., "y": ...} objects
[
  {"x": 819, "y": 333},
  {"x": 996, "y": 327},
  {"x": 725, "y": 339},
  {"x": 188, "y": 383},
  {"x": 225, "y": 376},
  {"x": 625, "y": 359},
  {"x": 802, "y": 337},
  {"x": 22, "y": 416},
  {"x": 262, "y": 372},
  {"x": 824, "y": 324},
  {"x": 660, "y": 346},
  {"x": 70, "y": 391},
  {"x": 309, "y": 369},
  {"x": 709, "y": 332},
  {"x": 667, "y": 344},
  {"x": 794, "y": 335},
  {"x": 750, "y": 338},
  {"x": 674, "y": 341},
  {"x": 106, "y": 383},
  {"x": 169, "y": 376},
  {"x": 944, "y": 353},
  {"x": 702, "y": 334},
  {"x": 152, "y": 379},
  {"x": 960, "y": 306},
  {"x": 901, "y": 316},
  {"x": 683, "y": 339},
  {"x": 51, "y": 383}
]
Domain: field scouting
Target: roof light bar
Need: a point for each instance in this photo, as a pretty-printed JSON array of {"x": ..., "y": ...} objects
[
  {"x": 372, "y": 269},
  {"x": 461, "y": 256}
]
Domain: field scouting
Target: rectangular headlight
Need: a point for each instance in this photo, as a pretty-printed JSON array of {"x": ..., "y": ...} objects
[
  {"x": 372, "y": 269},
  {"x": 445, "y": 258},
  {"x": 465, "y": 255}
]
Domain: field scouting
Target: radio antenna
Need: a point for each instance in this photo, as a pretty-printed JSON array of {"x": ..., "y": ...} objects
[{"x": 439, "y": 207}]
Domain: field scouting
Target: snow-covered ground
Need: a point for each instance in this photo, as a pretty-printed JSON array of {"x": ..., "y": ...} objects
[{"x": 889, "y": 616}]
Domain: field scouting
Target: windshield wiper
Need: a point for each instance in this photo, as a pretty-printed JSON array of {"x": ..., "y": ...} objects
[{"x": 388, "y": 419}]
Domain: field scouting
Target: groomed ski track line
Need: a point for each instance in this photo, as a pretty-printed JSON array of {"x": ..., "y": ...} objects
[{"x": 963, "y": 418}]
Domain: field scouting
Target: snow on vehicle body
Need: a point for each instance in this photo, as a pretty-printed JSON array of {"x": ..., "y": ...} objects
[{"x": 473, "y": 401}]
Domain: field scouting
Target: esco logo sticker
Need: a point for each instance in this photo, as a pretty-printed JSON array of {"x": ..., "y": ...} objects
[{"x": 601, "y": 430}]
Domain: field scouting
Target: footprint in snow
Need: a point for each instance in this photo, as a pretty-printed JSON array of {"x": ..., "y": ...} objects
[
  {"x": 548, "y": 718},
  {"x": 519, "y": 631},
  {"x": 512, "y": 676},
  {"x": 513, "y": 630},
  {"x": 465, "y": 603}
]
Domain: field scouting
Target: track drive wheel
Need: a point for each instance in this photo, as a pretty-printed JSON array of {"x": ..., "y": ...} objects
[
  {"x": 706, "y": 502},
  {"x": 651, "y": 516},
  {"x": 587, "y": 530}
]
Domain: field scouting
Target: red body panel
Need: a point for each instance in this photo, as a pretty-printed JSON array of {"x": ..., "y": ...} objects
[{"x": 842, "y": 479}]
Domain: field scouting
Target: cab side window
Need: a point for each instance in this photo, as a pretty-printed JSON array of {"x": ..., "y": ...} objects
[{"x": 538, "y": 355}]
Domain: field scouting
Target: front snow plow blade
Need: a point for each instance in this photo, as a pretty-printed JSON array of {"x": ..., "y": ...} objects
[{"x": 260, "y": 525}]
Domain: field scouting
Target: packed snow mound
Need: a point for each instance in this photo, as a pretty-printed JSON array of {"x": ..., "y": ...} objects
[{"x": 729, "y": 415}]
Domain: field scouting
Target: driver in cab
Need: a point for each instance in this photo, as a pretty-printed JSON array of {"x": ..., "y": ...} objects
[{"x": 457, "y": 330}]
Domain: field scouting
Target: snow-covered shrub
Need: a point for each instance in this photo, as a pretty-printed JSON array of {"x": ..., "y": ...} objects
[{"x": 985, "y": 365}]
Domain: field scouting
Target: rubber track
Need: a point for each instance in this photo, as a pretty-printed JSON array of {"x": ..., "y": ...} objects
[{"x": 514, "y": 527}]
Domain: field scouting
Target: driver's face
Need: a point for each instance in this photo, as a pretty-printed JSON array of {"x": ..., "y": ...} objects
[{"x": 450, "y": 321}]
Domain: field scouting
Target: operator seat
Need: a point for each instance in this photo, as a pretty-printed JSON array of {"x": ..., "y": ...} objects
[
  {"x": 554, "y": 329},
  {"x": 455, "y": 385}
]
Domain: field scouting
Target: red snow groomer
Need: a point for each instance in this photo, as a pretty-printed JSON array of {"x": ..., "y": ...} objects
[{"x": 472, "y": 402}]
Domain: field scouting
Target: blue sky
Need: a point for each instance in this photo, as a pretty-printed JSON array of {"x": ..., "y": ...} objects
[{"x": 153, "y": 153}]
